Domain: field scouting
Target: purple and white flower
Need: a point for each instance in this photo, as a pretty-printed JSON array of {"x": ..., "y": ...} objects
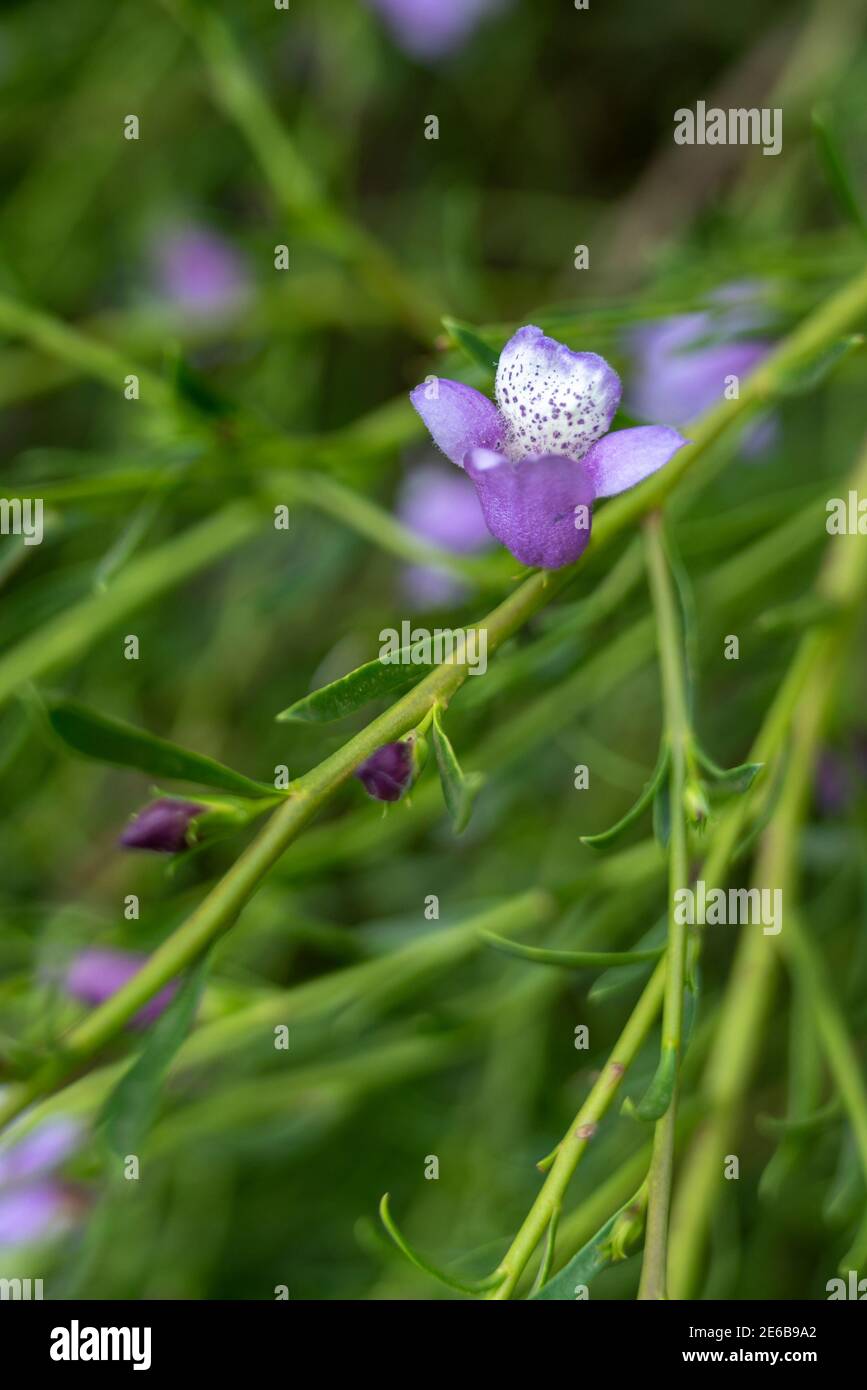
[
  {"x": 432, "y": 29},
  {"x": 543, "y": 454}
]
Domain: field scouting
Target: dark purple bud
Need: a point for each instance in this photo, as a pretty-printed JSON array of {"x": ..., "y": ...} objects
[
  {"x": 388, "y": 772},
  {"x": 161, "y": 826},
  {"x": 96, "y": 975}
]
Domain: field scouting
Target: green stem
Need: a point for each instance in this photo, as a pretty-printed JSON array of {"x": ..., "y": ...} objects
[
  {"x": 579, "y": 1135},
  {"x": 678, "y": 734}
]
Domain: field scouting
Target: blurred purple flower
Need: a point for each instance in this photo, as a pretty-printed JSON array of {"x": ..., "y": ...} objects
[
  {"x": 388, "y": 772},
  {"x": 200, "y": 272},
  {"x": 442, "y": 507},
  {"x": 539, "y": 462},
  {"x": 43, "y": 1149},
  {"x": 33, "y": 1204},
  {"x": 680, "y": 371},
  {"x": 431, "y": 29},
  {"x": 161, "y": 826},
  {"x": 96, "y": 974},
  {"x": 33, "y": 1212}
]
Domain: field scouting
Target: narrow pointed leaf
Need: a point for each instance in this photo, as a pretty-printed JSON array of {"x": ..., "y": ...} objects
[
  {"x": 475, "y": 347},
  {"x": 373, "y": 681},
  {"x": 589, "y": 1261},
  {"x": 421, "y": 1262},
  {"x": 734, "y": 779},
  {"x": 123, "y": 745},
  {"x": 456, "y": 789},
  {"x": 616, "y": 981},
  {"x": 662, "y": 814},
  {"x": 547, "y": 1259},
  {"x": 573, "y": 960},
  {"x": 657, "y": 1097},
  {"x": 649, "y": 790},
  {"x": 801, "y": 1124},
  {"x": 836, "y": 172}
]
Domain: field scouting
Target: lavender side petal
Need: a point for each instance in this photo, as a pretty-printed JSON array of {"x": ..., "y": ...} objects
[
  {"x": 458, "y": 417},
  {"x": 626, "y": 457}
]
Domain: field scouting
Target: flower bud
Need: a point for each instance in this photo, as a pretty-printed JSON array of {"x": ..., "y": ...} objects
[
  {"x": 162, "y": 826},
  {"x": 392, "y": 769},
  {"x": 695, "y": 804}
]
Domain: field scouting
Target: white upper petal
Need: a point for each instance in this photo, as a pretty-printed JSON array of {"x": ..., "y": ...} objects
[{"x": 553, "y": 400}]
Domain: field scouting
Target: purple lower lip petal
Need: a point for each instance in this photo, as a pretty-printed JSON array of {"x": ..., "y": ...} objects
[{"x": 539, "y": 508}]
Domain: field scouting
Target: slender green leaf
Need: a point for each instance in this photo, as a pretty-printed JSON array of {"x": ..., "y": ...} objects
[
  {"x": 800, "y": 1124},
  {"x": 421, "y": 1262},
  {"x": 547, "y": 1260},
  {"x": 649, "y": 790},
  {"x": 657, "y": 1097},
  {"x": 574, "y": 960},
  {"x": 734, "y": 779},
  {"x": 475, "y": 347},
  {"x": 372, "y": 681},
  {"x": 834, "y": 165},
  {"x": 662, "y": 813},
  {"x": 130, "y": 1108},
  {"x": 456, "y": 788},
  {"x": 608, "y": 1246},
  {"x": 123, "y": 745},
  {"x": 616, "y": 981}
]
